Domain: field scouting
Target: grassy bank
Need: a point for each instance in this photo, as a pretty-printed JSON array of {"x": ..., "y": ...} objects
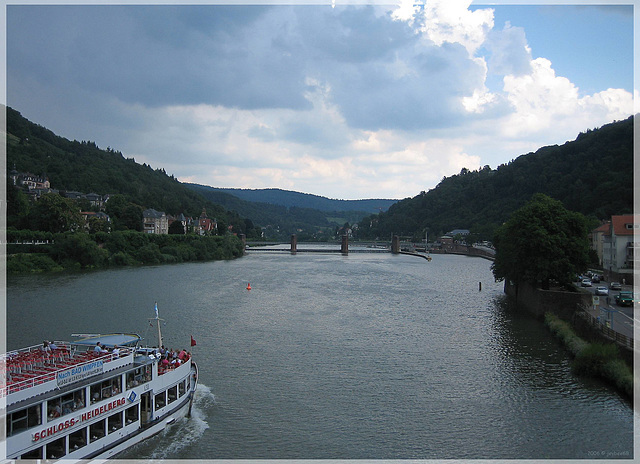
[{"x": 594, "y": 359}]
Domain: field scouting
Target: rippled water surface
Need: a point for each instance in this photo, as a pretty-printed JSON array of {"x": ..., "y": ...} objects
[{"x": 343, "y": 357}]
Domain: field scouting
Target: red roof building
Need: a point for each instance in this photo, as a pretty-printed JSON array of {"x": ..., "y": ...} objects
[{"x": 619, "y": 247}]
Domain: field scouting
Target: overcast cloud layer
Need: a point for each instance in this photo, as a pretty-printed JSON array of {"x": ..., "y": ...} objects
[{"x": 345, "y": 102}]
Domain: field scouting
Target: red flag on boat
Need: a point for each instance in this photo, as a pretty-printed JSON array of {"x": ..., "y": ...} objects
[{"x": 193, "y": 341}]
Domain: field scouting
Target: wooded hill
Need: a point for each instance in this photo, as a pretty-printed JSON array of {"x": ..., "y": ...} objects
[
  {"x": 289, "y": 198},
  {"x": 592, "y": 175},
  {"x": 84, "y": 167},
  {"x": 311, "y": 217}
]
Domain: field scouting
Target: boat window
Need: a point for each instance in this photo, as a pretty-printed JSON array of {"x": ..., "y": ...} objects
[
  {"x": 33, "y": 454},
  {"x": 96, "y": 431},
  {"x": 105, "y": 389},
  {"x": 77, "y": 439},
  {"x": 181, "y": 388},
  {"x": 115, "y": 422},
  {"x": 131, "y": 414},
  {"x": 160, "y": 400},
  {"x": 65, "y": 404},
  {"x": 23, "y": 419},
  {"x": 138, "y": 376},
  {"x": 57, "y": 448},
  {"x": 172, "y": 394}
]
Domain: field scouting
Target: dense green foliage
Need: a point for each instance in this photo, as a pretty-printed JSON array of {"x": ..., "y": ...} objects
[
  {"x": 593, "y": 359},
  {"x": 592, "y": 175},
  {"x": 83, "y": 167},
  {"x": 119, "y": 248},
  {"x": 542, "y": 242}
]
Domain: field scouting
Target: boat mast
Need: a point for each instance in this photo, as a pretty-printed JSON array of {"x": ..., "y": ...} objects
[{"x": 157, "y": 319}]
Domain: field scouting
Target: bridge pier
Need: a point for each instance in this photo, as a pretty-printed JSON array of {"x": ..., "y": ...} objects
[
  {"x": 294, "y": 243},
  {"x": 345, "y": 245},
  {"x": 395, "y": 245}
]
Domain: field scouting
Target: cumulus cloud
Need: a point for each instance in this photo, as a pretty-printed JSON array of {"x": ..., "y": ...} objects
[
  {"x": 510, "y": 53},
  {"x": 542, "y": 100},
  {"x": 349, "y": 102}
]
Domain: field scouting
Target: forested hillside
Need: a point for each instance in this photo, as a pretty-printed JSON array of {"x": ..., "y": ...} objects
[
  {"x": 83, "y": 167},
  {"x": 289, "y": 198},
  {"x": 592, "y": 175}
]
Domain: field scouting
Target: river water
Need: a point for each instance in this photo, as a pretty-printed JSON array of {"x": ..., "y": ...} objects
[{"x": 365, "y": 356}]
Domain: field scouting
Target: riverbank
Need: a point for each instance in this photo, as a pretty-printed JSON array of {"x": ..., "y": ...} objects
[
  {"x": 600, "y": 360},
  {"x": 75, "y": 251}
]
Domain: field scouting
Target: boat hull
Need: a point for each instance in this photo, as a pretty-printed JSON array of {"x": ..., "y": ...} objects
[{"x": 158, "y": 425}]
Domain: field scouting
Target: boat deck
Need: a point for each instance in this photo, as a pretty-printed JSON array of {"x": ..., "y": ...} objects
[{"x": 33, "y": 366}]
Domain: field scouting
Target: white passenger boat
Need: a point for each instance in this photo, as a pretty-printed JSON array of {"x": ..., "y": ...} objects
[{"x": 77, "y": 401}]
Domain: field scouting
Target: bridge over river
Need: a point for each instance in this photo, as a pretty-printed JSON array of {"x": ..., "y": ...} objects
[
  {"x": 324, "y": 247},
  {"x": 395, "y": 246}
]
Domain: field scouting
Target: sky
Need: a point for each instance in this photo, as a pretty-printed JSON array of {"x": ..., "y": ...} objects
[{"x": 347, "y": 100}]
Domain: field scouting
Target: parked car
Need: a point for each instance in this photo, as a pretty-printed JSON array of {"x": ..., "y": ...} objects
[
  {"x": 585, "y": 283},
  {"x": 602, "y": 291},
  {"x": 615, "y": 286},
  {"x": 624, "y": 298}
]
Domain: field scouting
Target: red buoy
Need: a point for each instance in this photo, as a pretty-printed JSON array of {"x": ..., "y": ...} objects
[{"x": 248, "y": 286}]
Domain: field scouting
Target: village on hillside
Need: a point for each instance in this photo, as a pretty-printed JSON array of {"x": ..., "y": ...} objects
[{"x": 153, "y": 222}]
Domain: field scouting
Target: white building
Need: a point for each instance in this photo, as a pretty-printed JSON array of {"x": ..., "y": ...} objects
[{"x": 619, "y": 248}]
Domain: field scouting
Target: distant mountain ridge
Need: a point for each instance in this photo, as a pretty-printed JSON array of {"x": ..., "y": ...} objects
[{"x": 290, "y": 198}]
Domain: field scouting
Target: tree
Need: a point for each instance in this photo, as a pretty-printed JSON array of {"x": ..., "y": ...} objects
[
  {"x": 542, "y": 242},
  {"x": 54, "y": 213},
  {"x": 17, "y": 206},
  {"x": 124, "y": 214},
  {"x": 78, "y": 248},
  {"x": 176, "y": 227}
]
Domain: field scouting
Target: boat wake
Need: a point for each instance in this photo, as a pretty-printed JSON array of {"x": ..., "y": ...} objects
[{"x": 183, "y": 433}]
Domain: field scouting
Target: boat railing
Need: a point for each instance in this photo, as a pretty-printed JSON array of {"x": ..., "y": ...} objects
[
  {"x": 164, "y": 368},
  {"x": 30, "y": 367}
]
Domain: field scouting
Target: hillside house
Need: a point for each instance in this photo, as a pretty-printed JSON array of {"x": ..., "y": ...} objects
[
  {"x": 205, "y": 224},
  {"x": 30, "y": 181},
  {"x": 155, "y": 222}
]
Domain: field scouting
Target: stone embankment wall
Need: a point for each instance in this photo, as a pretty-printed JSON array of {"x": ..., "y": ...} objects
[
  {"x": 567, "y": 306},
  {"x": 537, "y": 301}
]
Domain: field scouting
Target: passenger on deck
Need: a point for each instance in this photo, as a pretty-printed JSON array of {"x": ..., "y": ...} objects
[
  {"x": 116, "y": 351},
  {"x": 45, "y": 347},
  {"x": 53, "y": 346},
  {"x": 98, "y": 348}
]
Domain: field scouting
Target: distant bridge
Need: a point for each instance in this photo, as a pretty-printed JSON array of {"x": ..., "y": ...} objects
[{"x": 395, "y": 246}]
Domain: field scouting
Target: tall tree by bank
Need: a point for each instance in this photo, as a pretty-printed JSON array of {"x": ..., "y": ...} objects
[{"x": 541, "y": 243}]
